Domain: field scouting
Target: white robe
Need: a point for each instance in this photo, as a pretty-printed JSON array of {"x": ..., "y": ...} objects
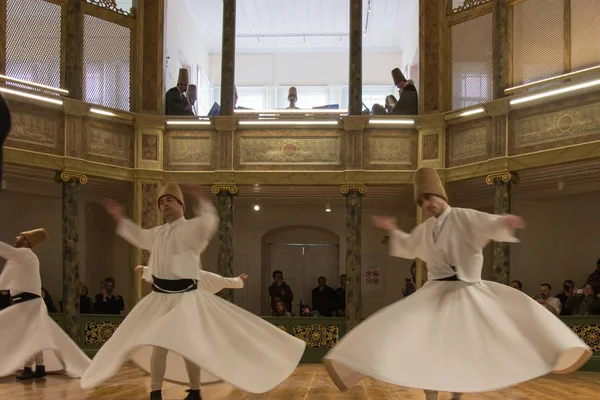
[
  {"x": 226, "y": 342},
  {"x": 26, "y": 328},
  {"x": 456, "y": 336}
]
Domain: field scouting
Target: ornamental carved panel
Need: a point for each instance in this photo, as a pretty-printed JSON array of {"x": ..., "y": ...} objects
[
  {"x": 557, "y": 128},
  {"x": 106, "y": 142},
  {"x": 390, "y": 149},
  {"x": 190, "y": 150},
  {"x": 469, "y": 142},
  {"x": 431, "y": 147},
  {"x": 289, "y": 149},
  {"x": 321, "y": 336},
  {"x": 149, "y": 147},
  {"x": 36, "y": 128}
]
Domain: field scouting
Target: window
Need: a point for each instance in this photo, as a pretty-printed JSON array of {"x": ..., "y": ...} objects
[
  {"x": 254, "y": 97},
  {"x": 308, "y": 96},
  {"x": 474, "y": 89}
]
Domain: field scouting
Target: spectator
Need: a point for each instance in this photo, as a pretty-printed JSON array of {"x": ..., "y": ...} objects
[
  {"x": 279, "y": 290},
  {"x": 109, "y": 301},
  {"x": 323, "y": 298}
]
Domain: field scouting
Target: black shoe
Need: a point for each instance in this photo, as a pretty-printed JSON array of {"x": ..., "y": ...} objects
[
  {"x": 193, "y": 395},
  {"x": 25, "y": 375},
  {"x": 156, "y": 395},
  {"x": 40, "y": 371}
]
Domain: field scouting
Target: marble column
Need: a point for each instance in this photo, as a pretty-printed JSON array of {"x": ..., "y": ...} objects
[
  {"x": 147, "y": 215},
  {"x": 148, "y": 97},
  {"x": 355, "y": 75},
  {"x": 70, "y": 249},
  {"x": 502, "y": 47},
  {"x": 72, "y": 77},
  {"x": 225, "y": 195},
  {"x": 228, "y": 58},
  {"x": 432, "y": 67},
  {"x": 502, "y": 182},
  {"x": 354, "y": 194}
]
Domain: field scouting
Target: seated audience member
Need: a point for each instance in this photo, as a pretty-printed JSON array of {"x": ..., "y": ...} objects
[
  {"x": 280, "y": 310},
  {"x": 340, "y": 295},
  {"x": 48, "y": 300},
  {"x": 305, "y": 311},
  {"x": 565, "y": 295},
  {"x": 409, "y": 283},
  {"x": 551, "y": 303},
  {"x": 517, "y": 285},
  {"x": 109, "y": 301},
  {"x": 586, "y": 301},
  {"x": 85, "y": 303}
]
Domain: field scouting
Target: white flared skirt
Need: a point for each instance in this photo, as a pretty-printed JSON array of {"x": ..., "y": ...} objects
[
  {"x": 26, "y": 329},
  {"x": 226, "y": 342},
  {"x": 457, "y": 337}
]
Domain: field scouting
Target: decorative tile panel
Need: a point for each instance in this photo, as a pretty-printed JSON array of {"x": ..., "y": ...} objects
[
  {"x": 289, "y": 149},
  {"x": 324, "y": 336},
  {"x": 431, "y": 147},
  {"x": 562, "y": 127},
  {"x": 190, "y": 150},
  {"x": 35, "y": 128},
  {"x": 469, "y": 142},
  {"x": 108, "y": 142},
  {"x": 149, "y": 147},
  {"x": 390, "y": 149},
  {"x": 98, "y": 332}
]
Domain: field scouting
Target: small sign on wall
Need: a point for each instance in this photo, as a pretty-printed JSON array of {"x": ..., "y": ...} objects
[{"x": 373, "y": 276}]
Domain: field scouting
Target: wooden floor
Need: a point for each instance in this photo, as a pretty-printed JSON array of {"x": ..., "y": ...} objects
[{"x": 309, "y": 381}]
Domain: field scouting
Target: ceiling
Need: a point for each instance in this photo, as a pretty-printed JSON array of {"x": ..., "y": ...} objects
[{"x": 303, "y": 25}]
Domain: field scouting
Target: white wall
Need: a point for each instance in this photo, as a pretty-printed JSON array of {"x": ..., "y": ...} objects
[
  {"x": 23, "y": 211},
  {"x": 305, "y": 69},
  {"x": 183, "y": 43},
  {"x": 560, "y": 241},
  {"x": 250, "y": 226}
]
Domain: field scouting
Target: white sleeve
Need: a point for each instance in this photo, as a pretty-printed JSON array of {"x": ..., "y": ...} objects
[
  {"x": 135, "y": 235},
  {"x": 199, "y": 230},
  {"x": 214, "y": 283},
  {"x": 407, "y": 245},
  {"x": 486, "y": 227},
  {"x": 147, "y": 276}
]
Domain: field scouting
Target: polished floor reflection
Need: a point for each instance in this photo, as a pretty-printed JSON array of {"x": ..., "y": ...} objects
[{"x": 309, "y": 382}]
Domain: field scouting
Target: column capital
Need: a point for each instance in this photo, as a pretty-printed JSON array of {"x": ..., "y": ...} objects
[
  {"x": 66, "y": 176},
  {"x": 345, "y": 189},
  {"x": 216, "y": 189},
  {"x": 504, "y": 176}
]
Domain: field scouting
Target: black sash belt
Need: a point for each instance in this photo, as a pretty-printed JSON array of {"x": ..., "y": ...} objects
[
  {"x": 174, "y": 286},
  {"x": 451, "y": 278},
  {"x": 25, "y": 296},
  {"x": 448, "y": 278}
]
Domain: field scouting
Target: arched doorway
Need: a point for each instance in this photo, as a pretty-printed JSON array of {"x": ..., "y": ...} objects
[{"x": 302, "y": 253}]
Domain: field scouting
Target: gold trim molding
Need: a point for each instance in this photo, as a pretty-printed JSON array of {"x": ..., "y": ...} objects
[
  {"x": 345, "y": 189},
  {"x": 66, "y": 176},
  {"x": 216, "y": 189},
  {"x": 502, "y": 176}
]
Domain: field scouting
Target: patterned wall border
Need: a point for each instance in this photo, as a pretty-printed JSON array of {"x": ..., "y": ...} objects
[
  {"x": 289, "y": 150},
  {"x": 193, "y": 150},
  {"x": 469, "y": 142},
  {"x": 390, "y": 149}
]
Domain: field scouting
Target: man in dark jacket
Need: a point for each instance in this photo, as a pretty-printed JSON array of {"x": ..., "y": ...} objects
[
  {"x": 280, "y": 291},
  {"x": 176, "y": 101},
  {"x": 323, "y": 298},
  {"x": 408, "y": 104},
  {"x": 5, "y": 125}
]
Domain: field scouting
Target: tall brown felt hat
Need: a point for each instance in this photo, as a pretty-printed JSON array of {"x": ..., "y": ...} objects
[
  {"x": 183, "y": 77},
  {"x": 35, "y": 237},
  {"x": 427, "y": 181},
  {"x": 397, "y": 76},
  {"x": 172, "y": 189}
]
